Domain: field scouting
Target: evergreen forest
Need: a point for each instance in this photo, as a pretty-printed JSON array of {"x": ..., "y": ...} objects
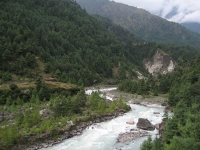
[
  {"x": 63, "y": 36},
  {"x": 182, "y": 130}
]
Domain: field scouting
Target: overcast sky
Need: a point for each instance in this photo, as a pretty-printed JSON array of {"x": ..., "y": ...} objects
[{"x": 187, "y": 10}]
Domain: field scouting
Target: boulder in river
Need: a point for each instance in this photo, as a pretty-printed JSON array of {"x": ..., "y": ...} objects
[
  {"x": 164, "y": 104},
  {"x": 145, "y": 124},
  {"x": 156, "y": 112},
  {"x": 136, "y": 102},
  {"x": 130, "y": 122},
  {"x": 157, "y": 126},
  {"x": 130, "y": 136}
]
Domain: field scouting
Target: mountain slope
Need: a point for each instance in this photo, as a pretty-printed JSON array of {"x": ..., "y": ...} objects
[
  {"x": 192, "y": 26},
  {"x": 185, "y": 14},
  {"x": 74, "y": 46},
  {"x": 142, "y": 23},
  {"x": 123, "y": 34}
]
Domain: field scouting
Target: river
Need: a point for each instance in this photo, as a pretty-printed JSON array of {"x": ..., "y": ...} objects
[{"x": 103, "y": 136}]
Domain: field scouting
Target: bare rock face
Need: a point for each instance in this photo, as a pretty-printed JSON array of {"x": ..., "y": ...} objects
[
  {"x": 145, "y": 124},
  {"x": 160, "y": 63}
]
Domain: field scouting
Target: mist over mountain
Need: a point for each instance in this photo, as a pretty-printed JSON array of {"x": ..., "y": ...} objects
[
  {"x": 179, "y": 11},
  {"x": 193, "y": 26},
  {"x": 185, "y": 13}
]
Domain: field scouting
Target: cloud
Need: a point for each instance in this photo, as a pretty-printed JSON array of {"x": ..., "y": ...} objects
[
  {"x": 145, "y": 4},
  {"x": 191, "y": 17},
  {"x": 174, "y": 10}
]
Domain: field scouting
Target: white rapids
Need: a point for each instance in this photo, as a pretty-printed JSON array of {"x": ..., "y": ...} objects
[{"x": 103, "y": 136}]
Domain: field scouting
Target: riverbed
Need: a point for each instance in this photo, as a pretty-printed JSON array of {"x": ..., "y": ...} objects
[{"x": 103, "y": 136}]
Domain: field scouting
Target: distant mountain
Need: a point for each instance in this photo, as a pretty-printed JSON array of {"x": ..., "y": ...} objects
[
  {"x": 186, "y": 16},
  {"x": 140, "y": 22},
  {"x": 193, "y": 26}
]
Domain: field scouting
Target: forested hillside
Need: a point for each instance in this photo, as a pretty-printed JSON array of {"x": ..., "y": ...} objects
[
  {"x": 182, "y": 130},
  {"x": 123, "y": 34},
  {"x": 195, "y": 27},
  {"x": 138, "y": 49},
  {"x": 73, "y": 45},
  {"x": 140, "y": 22}
]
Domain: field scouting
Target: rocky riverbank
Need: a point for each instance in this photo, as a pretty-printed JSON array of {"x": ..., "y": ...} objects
[
  {"x": 43, "y": 141},
  {"x": 132, "y": 135},
  {"x": 147, "y": 101},
  {"x": 76, "y": 130}
]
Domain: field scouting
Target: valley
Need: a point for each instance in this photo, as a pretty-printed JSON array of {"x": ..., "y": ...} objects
[{"x": 52, "y": 51}]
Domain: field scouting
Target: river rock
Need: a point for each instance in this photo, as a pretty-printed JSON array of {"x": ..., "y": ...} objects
[
  {"x": 156, "y": 113},
  {"x": 167, "y": 108},
  {"x": 99, "y": 127},
  {"x": 136, "y": 102},
  {"x": 145, "y": 124},
  {"x": 157, "y": 126},
  {"x": 130, "y": 136},
  {"x": 130, "y": 122},
  {"x": 162, "y": 126},
  {"x": 70, "y": 123},
  {"x": 164, "y": 104}
]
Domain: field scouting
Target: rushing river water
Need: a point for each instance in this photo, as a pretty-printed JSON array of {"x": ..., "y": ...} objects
[{"x": 103, "y": 136}]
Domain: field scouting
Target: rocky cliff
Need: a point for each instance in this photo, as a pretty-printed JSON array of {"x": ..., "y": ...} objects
[{"x": 160, "y": 63}]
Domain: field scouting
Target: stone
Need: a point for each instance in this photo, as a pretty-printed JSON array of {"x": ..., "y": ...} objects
[
  {"x": 130, "y": 136},
  {"x": 145, "y": 124},
  {"x": 156, "y": 113},
  {"x": 130, "y": 122},
  {"x": 164, "y": 104},
  {"x": 134, "y": 130},
  {"x": 157, "y": 126},
  {"x": 136, "y": 102},
  {"x": 99, "y": 127},
  {"x": 161, "y": 128},
  {"x": 70, "y": 123},
  {"x": 41, "y": 112},
  {"x": 167, "y": 108}
]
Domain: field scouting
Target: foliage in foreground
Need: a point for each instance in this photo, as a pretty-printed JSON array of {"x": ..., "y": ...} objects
[{"x": 35, "y": 118}]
